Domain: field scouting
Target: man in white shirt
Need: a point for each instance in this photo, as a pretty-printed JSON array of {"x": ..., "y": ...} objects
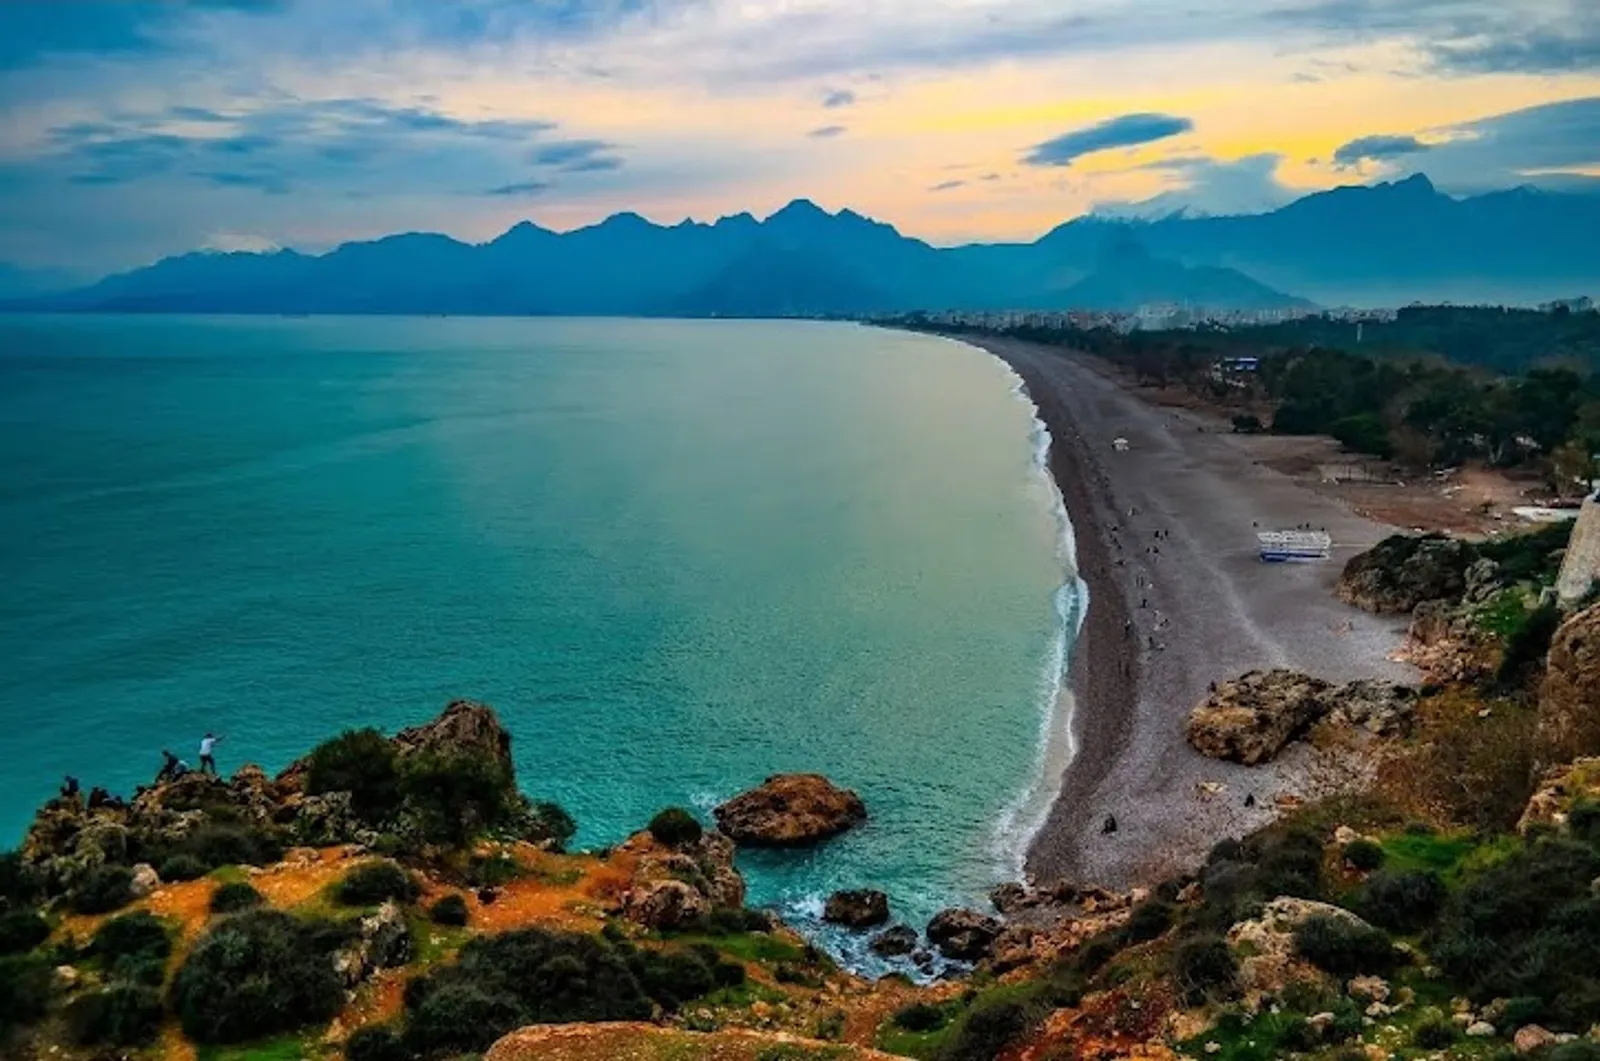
[{"x": 208, "y": 764}]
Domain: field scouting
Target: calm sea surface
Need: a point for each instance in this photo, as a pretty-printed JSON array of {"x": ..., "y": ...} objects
[{"x": 676, "y": 557}]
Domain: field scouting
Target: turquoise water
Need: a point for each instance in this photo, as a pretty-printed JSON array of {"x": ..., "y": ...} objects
[{"x": 675, "y": 556}]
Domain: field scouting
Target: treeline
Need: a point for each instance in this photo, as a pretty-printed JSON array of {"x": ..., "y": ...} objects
[{"x": 1423, "y": 412}]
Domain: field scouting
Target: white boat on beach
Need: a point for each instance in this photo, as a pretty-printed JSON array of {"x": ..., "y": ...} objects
[{"x": 1279, "y": 546}]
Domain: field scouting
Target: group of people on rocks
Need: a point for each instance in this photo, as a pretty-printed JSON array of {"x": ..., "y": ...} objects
[{"x": 172, "y": 768}]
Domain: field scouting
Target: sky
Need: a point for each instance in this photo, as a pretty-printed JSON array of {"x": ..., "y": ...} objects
[{"x": 134, "y": 129}]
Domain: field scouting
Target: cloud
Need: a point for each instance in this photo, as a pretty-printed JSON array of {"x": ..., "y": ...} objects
[
  {"x": 1542, "y": 50},
  {"x": 1377, "y": 148},
  {"x": 1128, "y": 130},
  {"x": 232, "y": 242},
  {"x": 1203, "y": 185},
  {"x": 827, "y": 132},
  {"x": 839, "y": 97},
  {"x": 945, "y": 186},
  {"x": 576, "y": 156},
  {"x": 1550, "y": 144},
  {"x": 519, "y": 188}
]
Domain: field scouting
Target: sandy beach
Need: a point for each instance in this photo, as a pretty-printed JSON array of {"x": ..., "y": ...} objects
[{"x": 1168, "y": 615}]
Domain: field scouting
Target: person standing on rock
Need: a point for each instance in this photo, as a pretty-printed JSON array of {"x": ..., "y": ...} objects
[{"x": 208, "y": 762}]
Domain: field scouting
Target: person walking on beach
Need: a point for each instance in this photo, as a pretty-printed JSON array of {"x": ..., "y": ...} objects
[{"x": 208, "y": 762}]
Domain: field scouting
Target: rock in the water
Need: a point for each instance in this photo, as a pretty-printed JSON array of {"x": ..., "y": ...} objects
[
  {"x": 1569, "y": 697},
  {"x": 894, "y": 941},
  {"x": 145, "y": 880},
  {"x": 790, "y": 810},
  {"x": 964, "y": 935},
  {"x": 665, "y": 904},
  {"x": 1402, "y": 571},
  {"x": 857, "y": 908},
  {"x": 1247, "y": 720}
]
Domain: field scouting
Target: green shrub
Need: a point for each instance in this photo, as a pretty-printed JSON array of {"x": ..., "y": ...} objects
[
  {"x": 259, "y": 973},
  {"x": 1434, "y": 1033},
  {"x": 1579, "y": 1050},
  {"x": 920, "y": 1017},
  {"x": 25, "y": 989},
  {"x": 1584, "y": 821},
  {"x": 460, "y": 1017},
  {"x": 986, "y": 1030},
  {"x": 675, "y": 827},
  {"x": 134, "y": 946},
  {"x": 182, "y": 866},
  {"x": 1528, "y": 642},
  {"x": 456, "y": 795},
  {"x": 1148, "y": 921},
  {"x": 736, "y": 920},
  {"x": 375, "y": 1042},
  {"x": 1363, "y": 855},
  {"x": 450, "y": 910},
  {"x": 1402, "y": 902},
  {"x": 373, "y": 882},
  {"x": 22, "y": 930},
  {"x": 550, "y": 824},
  {"x": 121, "y": 1014},
  {"x": 102, "y": 890},
  {"x": 1204, "y": 968},
  {"x": 672, "y": 977},
  {"x": 1529, "y": 927},
  {"x": 234, "y": 896},
  {"x": 215, "y": 844},
  {"x": 1343, "y": 947},
  {"x": 19, "y": 882},
  {"x": 361, "y": 762}
]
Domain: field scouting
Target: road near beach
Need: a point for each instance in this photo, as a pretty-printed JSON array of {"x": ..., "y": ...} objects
[{"x": 1179, "y": 599}]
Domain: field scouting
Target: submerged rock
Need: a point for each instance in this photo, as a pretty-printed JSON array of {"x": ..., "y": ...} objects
[
  {"x": 895, "y": 941},
  {"x": 790, "y": 810},
  {"x": 857, "y": 908},
  {"x": 1402, "y": 571},
  {"x": 964, "y": 935}
]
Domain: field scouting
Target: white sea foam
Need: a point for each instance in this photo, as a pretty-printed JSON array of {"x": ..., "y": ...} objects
[{"x": 1022, "y": 818}]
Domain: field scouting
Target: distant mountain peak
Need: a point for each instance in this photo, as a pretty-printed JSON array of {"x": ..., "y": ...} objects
[{"x": 798, "y": 209}]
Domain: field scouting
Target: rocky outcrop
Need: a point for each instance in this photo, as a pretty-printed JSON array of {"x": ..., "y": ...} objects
[
  {"x": 790, "y": 810},
  {"x": 384, "y": 943},
  {"x": 674, "y": 887},
  {"x": 1559, "y": 789},
  {"x": 1265, "y": 947},
  {"x": 964, "y": 935},
  {"x": 1569, "y": 697},
  {"x": 617, "y": 1039},
  {"x": 1402, "y": 571},
  {"x": 857, "y": 908},
  {"x": 464, "y": 727},
  {"x": 1248, "y": 720},
  {"x": 1447, "y": 644},
  {"x": 895, "y": 941}
]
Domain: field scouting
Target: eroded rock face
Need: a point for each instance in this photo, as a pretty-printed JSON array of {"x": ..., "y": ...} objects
[
  {"x": 1559, "y": 789},
  {"x": 857, "y": 908},
  {"x": 1380, "y": 707},
  {"x": 964, "y": 935},
  {"x": 665, "y": 904},
  {"x": 673, "y": 887},
  {"x": 465, "y": 726},
  {"x": 385, "y": 942},
  {"x": 1402, "y": 571},
  {"x": 1249, "y": 719},
  {"x": 1265, "y": 945},
  {"x": 1569, "y": 697},
  {"x": 790, "y": 810}
]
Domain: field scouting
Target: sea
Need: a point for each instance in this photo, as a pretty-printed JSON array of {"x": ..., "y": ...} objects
[{"x": 675, "y": 556}]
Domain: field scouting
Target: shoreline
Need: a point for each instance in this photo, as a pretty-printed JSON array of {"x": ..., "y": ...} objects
[{"x": 1168, "y": 615}]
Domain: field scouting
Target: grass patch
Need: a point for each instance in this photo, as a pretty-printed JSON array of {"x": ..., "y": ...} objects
[
  {"x": 924, "y": 1043},
  {"x": 432, "y": 942},
  {"x": 1453, "y": 856},
  {"x": 281, "y": 1048},
  {"x": 1265, "y": 1037},
  {"x": 748, "y": 946},
  {"x": 230, "y": 875}
]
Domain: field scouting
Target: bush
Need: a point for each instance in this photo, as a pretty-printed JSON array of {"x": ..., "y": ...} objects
[
  {"x": 673, "y": 977},
  {"x": 1364, "y": 855},
  {"x": 22, "y": 930},
  {"x": 550, "y": 824},
  {"x": 675, "y": 827},
  {"x": 1401, "y": 902},
  {"x": 375, "y": 1042},
  {"x": 102, "y": 890},
  {"x": 216, "y": 845},
  {"x": 1434, "y": 1033},
  {"x": 1148, "y": 921},
  {"x": 233, "y": 897},
  {"x": 460, "y": 1017},
  {"x": 131, "y": 944},
  {"x": 373, "y": 882},
  {"x": 1343, "y": 947},
  {"x": 25, "y": 987},
  {"x": 1529, "y": 927},
  {"x": 734, "y": 920},
  {"x": 361, "y": 762},
  {"x": 1205, "y": 968},
  {"x": 987, "y": 1029},
  {"x": 182, "y": 866},
  {"x": 122, "y": 1014},
  {"x": 1584, "y": 821},
  {"x": 256, "y": 974},
  {"x": 1528, "y": 643},
  {"x": 920, "y": 1017},
  {"x": 19, "y": 882},
  {"x": 450, "y": 910},
  {"x": 456, "y": 795}
]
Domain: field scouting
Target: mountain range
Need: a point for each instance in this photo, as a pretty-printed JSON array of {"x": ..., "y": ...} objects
[{"x": 1384, "y": 244}]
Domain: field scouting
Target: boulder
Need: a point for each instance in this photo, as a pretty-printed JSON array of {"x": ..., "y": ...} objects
[
  {"x": 1569, "y": 696},
  {"x": 790, "y": 810},
  {"x": 1249, "y": 719},
  {"x": 465, "y": 726},
  {"x": 1531, "y": 1037},
  {"x": 1482, "y": 579},
  {"x": 895, "y": 941},
  {"x": 1402, "y": 571},
  {"x": 1380, "y": 707},
  {"x": 964, "y": 935},
  {"x": 1480, "y": 1030},
  {"x": 1265, "y": 946},
  {"x": 145, "y": 880},
  {"x": 705, "y": 867},
  {"x": 384, "y": 943},
  {"x": 857, "y": 908},
  {"x": 1012, "y": 949},
  {"x": 1559, "y": 789},
  {"x": 664, "y": 904}
]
